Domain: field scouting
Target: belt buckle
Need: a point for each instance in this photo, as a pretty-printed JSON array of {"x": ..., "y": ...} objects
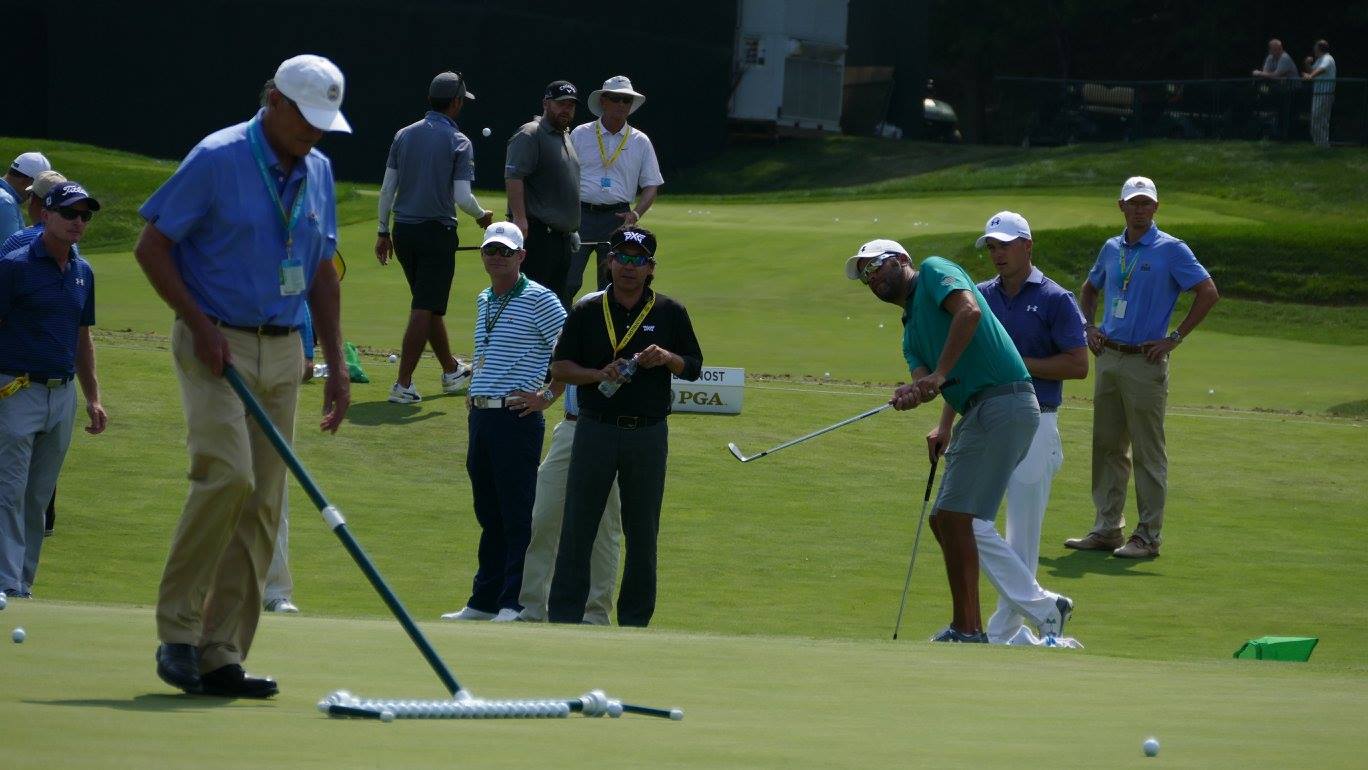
[
  {"x": 628, "y": 423},
  {"x": 54, "y": 383},
  {"x": 478, "y": 401}
]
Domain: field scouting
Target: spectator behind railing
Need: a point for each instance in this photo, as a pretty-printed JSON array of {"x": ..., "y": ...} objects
[
  {"x": 1322, "y": 70},
  {"x": 1278, "y": 64}
]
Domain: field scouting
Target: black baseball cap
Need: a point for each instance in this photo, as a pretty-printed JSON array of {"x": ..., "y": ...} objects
[
  {"x": 639, "y": 236},
  {"x": 449, "y": 85},
  {"x": 69, "y": 194},
  {"x": 560, "y": 90}
]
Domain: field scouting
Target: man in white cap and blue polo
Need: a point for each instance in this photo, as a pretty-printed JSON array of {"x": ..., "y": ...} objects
[
  {"x": 14, "y": 190},
  {"x": 618, "y": 167},
  {"x": 236, "y": 241}
]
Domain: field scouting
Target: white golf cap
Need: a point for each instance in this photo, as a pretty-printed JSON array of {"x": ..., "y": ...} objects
[
  {"x": 875, "y": 248},
  {"x": 506, "y": 233},
  {"x": 1004, "y": 226},
  {"x": 617, "y": 84},
  {"x": 30, "y": 164},
  {"x": 1139, "y": 185},
  {"x": 316, "y": 85}
]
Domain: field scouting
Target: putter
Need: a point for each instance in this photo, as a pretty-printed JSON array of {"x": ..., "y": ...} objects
[
  {"x": 738, "y": 454},
  {"x": 907, "y": 581}
]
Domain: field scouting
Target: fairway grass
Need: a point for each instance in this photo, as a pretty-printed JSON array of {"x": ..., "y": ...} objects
[{"x": 752, "y": 702}]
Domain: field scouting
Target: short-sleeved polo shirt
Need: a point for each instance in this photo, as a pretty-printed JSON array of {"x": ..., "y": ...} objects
[
  {"x": 1324, "y": 83},
  {"x": 229, "y": 231},
  {"x": 989, "y": 360},
  {"x": 430, "y": 155},
  {"x": 1160, "y": 268},
  {"x": 514, "y": 337},
  {"x": 11, "y": 218},
  {"x": 546, "y": 162},
  {"x": 609, "y": 174},
  {"x": 42, "y": 310},
  {"x": 25, "y": 237},
  {"x": 1043, "y": 320}
]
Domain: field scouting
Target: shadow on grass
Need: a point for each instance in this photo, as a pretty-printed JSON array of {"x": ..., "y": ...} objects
[
  {"x": 1079, "y": 563},
  {"x": 145, "y": 702},
  {"x": 385, "y": 413}
]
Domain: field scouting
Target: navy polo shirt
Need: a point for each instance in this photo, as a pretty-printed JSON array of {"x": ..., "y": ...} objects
[
  {"x": 1043, "y": 320},
  {"x": 42, "y": 309}
]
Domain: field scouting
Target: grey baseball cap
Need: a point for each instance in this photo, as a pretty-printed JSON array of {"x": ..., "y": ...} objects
[{"x": 449, "y": 85}]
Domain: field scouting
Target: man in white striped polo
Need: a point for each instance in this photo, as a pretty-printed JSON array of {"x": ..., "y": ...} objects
[{"x": 517, "y": 322}]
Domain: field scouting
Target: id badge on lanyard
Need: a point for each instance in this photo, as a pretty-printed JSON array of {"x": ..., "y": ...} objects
[{"x": 291, "y": 269}]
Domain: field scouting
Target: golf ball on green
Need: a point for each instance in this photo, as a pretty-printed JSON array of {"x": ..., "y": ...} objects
[
  {"x": 386, "y": 716},
  {"x": 393, "y": 358},
  {"x": 1150, "y": 747},
  {"x": 3, "y": 600},
  {"x": 18, "y": 635}
]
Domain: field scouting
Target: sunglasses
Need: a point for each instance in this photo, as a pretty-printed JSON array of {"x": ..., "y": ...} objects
[
  {"x": 637, "y": 260},
  {"x": 618, "y": 98},
  {"x": 872, "y": 266},
  {"x": 68, "y": 212},
  {"x": 497, "y": 250}
]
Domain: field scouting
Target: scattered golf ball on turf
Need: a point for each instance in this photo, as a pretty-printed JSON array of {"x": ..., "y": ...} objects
[
  {"x": 1151, "y": 747},
  {"x": 1211, "y": 391},
  {"x": 880, "y": 326},
  {"x": 18, "y": 636},
  {"x": 485, "y": 131},
  {"x": 826, "y": 375},
  {"x": 393, "y": 358},
  {"x": 3, "y": 600},
  {"x": 387, "y": 715}
]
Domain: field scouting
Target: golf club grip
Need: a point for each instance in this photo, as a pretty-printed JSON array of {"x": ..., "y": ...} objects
[
  {"x": 632, "y": 708},
  {"x": 930, "y": 481},
  {"x": 359, "y": 556}
]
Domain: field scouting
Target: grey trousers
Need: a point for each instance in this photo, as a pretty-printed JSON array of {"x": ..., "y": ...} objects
[
  {"x": 35, "y": 431},
  {"x": 594, "y": 226}
]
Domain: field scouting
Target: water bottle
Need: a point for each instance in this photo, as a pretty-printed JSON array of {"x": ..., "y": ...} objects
[{"x": 626, "y": 369}]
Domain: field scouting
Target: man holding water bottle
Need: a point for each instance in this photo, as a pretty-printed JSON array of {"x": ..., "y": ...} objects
[{"x": 618, "y": 349}]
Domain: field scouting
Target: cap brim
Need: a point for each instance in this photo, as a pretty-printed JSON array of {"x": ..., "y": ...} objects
[
  {"x": 597, "y": 108},
  {"x": 1152, "y": 195},
  {"x": 505, "y": 240},
  {"x": 325, "y": 120},
  {"x": 469, "y": 96},
  {"x": 852, "y": 269},
  {"x": 94, "y": 204},
  {"x": 1004, "y": 237}
]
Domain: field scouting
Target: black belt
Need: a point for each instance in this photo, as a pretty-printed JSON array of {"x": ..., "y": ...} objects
[
  {"x": 997, "y": 390},
  {"x": 601, "y": 207},
  {"x": 1048, "y": 409},
  {"x": 264, "y": 330},
  {"x": 40, "y": 379},
  {"x": 1121, "y": 347},
  {"x": 625, "y": 422}
]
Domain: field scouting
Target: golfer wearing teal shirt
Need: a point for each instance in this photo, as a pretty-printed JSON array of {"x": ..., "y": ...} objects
[{"x": 949, "y": 335}]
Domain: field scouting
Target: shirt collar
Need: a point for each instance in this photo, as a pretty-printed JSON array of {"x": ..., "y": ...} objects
[
  {"x": 604, "y": 129},
  {"x": 39, "y": 250},
  {"x": 646, "y": 295},
  {"x": 548, "y": 127},
  {"x": 272, "y": 160},
  {"x": 440, "y": 117},
  {"x": 517, "y": 289},
  {"x": 1147, "y": 239}
]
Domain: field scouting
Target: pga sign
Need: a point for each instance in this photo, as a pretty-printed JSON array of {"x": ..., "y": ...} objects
[{"x": 717, "y": 390}]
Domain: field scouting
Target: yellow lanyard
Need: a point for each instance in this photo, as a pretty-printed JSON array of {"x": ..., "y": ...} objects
[
  {"x": 631, "y": 330},
  {"x": 608, "y": 160},
  {"x": 14, "y": 386}
]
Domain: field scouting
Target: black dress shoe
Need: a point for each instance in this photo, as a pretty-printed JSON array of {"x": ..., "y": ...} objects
[
  {"x": 231, "y": 681},
  {"x": 178, "y": 666}
]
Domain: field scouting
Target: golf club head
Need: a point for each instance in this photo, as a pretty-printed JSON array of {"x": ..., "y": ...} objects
[{"x": 736, "y": 452}]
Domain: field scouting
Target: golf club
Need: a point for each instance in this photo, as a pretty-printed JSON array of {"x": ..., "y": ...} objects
[
  {"x": 590, "y": 244},
  {"x": 737, "y": 453},
  {"x": 916, "y": 541}
]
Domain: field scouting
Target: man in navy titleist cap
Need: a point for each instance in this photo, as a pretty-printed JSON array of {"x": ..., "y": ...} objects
[
  {"x": 235, "y": 242},
  {"x": 47, "y": 306}
]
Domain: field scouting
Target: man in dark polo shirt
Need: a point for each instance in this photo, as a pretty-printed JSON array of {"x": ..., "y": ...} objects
[
  {"x": 542, "y": 177},
  {"x": 627, "y": 341},
  {"x": 47, "y": 306},
  {"x": 427, "y": 176}
]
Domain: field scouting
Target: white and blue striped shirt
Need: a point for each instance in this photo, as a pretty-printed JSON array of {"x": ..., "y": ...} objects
[{"x": 514, "y": 337}]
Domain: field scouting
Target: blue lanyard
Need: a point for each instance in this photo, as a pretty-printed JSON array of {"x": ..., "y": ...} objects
[{"x": 291, "y": 219}]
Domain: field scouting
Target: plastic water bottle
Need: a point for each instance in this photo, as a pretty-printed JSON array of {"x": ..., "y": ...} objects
[{"x": 626, "y": 369}]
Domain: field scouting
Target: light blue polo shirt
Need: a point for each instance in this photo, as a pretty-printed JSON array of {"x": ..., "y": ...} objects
[
  {"x": 1160, "y": 267},
  {"x": 429, "y": 155},
  {"x": 11, "y": 218},
  {"x": 990, "y": 359},
  {"x": 229, "y": 232}
]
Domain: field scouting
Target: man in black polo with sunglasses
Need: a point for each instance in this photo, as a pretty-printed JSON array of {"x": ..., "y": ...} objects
[{"x": 619, "y": 349}]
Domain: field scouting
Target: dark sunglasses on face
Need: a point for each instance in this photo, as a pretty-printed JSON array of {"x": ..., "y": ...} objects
[
  {"x": 496, "y": 250},
  {"x": 637, "y": 260},
  {"x": 68, "y": 212},
  {"x": 872, "y": 266},
  {"x": 618, "y": 98}
]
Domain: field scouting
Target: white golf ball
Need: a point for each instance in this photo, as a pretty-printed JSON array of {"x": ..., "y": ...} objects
[
  {"x": 485, "y": 131},
  {"x": 3, "y": 600},
  {"x": 1211, "y": 391},
  {"x": 827, "y": 375},
  {"x": 19, "y": 636},
  {"x": 1151, "y": 747},
  {"x": 393, "y": 358},
  {"x": 614, "y": 709},
  {"x": 880, "y": 326},
  {"x": 386, "y": 716},
  {"x": 676, "y": 714}
]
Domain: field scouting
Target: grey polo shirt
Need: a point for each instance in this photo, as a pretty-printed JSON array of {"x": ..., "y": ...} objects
[
  {"x": 545, "y": 160},
  {"x": 429, "y": 155}
]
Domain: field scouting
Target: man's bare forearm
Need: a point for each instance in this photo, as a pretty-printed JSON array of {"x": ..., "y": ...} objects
[
  {"x": 85, "y": 367},
  {"x": 325, "y": 302},
  {"x": 572, "y": 373},
  {"x": 153, "y": 253}
]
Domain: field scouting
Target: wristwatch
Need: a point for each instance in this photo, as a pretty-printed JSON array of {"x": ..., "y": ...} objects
[
  {"x": 1175, "y": 336},
  {"x": 547, "y": 395}
]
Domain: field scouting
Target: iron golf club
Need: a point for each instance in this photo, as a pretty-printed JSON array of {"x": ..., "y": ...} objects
[
  {"x": 907, "y": 581},
  {"x": 590, "y": 244}
]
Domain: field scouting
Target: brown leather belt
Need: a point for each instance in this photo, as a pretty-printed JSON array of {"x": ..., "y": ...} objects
[
  {"x": 1121, "y": 347},
  {"x": 264, "y": 330}
]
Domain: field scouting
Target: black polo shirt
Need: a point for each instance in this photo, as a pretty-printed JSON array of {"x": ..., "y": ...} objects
[{"x": 584, "y": 341}]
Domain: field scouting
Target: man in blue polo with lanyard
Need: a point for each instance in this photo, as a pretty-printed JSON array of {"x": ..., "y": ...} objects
[
  {"x": 1043, "y": 321},
  {"x": 235, "y": 242},
  {"x": 517, "y": 322},
  {"x": 47, "y": 306},
  {"x": 948, "y": 336},
  {"x": 1142, "y": 271}
]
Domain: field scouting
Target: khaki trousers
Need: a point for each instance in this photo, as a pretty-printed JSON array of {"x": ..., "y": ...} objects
[
  {"x": 1129, "y": 398},
  {"x": 210, "y": 594}
]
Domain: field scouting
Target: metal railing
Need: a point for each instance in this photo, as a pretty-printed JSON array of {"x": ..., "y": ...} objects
[{"x": 1053, "y": 111}]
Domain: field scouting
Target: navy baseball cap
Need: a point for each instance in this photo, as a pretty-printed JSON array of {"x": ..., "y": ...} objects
[
  {"x": 69, "y": 194},
  {"x": 636, "y": 235},
  {"x": 560, "y": 90}
]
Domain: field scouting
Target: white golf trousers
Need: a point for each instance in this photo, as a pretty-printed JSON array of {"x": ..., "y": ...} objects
[{"x": 1010, "y": 564}]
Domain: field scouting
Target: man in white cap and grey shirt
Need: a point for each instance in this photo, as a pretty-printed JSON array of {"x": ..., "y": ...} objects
[
  {"x": 236, "y": 241},
  {"x": 14, "y": 190},
  {"x": 617, "y": 166}
]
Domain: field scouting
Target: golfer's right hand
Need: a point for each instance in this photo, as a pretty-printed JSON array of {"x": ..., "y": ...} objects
[
  {"x": 211, "y": 347},
  {"x": 611, "y": 372},
  {"x": 382, "y": 248},
  {"x": 521, "y": 222},
  {"x": 1095, "y": 340},
  {"x": 936, "y": 444},
  {"x": 905, "y": 397}
]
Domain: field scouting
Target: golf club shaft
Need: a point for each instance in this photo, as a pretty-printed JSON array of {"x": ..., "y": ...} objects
[
  {"x": 590, "y": 244},
  {"x": 339, "y": 527},
  {"x": 916, "y": 542}
]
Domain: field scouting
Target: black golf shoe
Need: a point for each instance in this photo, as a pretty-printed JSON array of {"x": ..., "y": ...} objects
[
  {"x": 178, "y": 666},
  {"x": 231, "y": 681}
]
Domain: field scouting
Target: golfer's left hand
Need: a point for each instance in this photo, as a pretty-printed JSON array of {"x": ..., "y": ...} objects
[
  {"x": 1155, "y": 350},
  {"x": 98, "y": 418},
  {"x": 929, "y": 387},
  {"x": 336, "y": 399},
  {"x": 653, "y": 356},
  {"x": 526, "y": 403}
]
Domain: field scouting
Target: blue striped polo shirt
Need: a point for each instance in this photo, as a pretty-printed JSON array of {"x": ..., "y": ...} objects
[
  {"x": 514, "y": 337},
  {"x": 42, "y": 310}
]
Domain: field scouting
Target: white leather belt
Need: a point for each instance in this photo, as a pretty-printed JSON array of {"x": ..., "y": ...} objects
[{"x": 493, "y": 402}]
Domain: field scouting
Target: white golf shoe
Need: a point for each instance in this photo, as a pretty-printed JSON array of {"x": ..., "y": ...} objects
[
  {"x": 468, "y": 613},
  {"x": 282, "y": 605},
  {"x": 402, "y": 395},
  {"x": 458, "y": 381},
  {"x": 506, "y": 615}
]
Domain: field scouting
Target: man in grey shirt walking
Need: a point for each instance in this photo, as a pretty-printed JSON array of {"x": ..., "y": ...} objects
[
  {"x": 542, "y": 177},
  {"x": 431, "y": 166}
]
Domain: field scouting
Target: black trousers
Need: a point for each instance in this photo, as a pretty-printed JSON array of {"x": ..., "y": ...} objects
[
  {"x": 637, "y": 458},
  {"x": 501, "y": 460},
  {"x": 548, "y": 258}
]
